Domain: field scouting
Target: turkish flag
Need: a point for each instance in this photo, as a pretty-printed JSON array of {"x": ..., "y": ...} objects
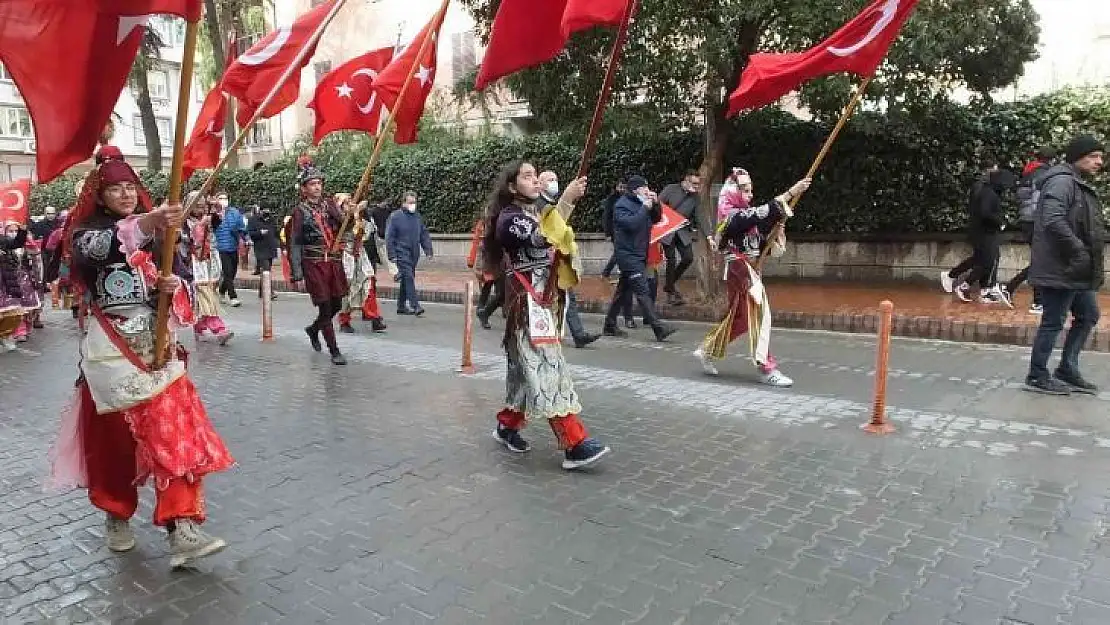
[
  {"x": 670, "y": 224},
  {"x": 251, "y": 77},
  {"x": 858, "y": 47},
  {"x": 14, "y": 198},
  {"x": 203, "y": 149},
  {"x": 526, "y": 33},
  {"x": 389, "y": 82},
  {"x": 70, "y": 61},
  {"x": 344, "y": 99}
]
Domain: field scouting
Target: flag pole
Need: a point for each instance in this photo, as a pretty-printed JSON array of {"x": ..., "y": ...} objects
[
  {"x": 857, "y": 97},
  {"x": 606, "y": 88},
  {"x": 365, "y": 183},
  {"x": 293, "y": 67},
  {"x": 176, "y": 182},
  {"x": 169, "y": 237}
]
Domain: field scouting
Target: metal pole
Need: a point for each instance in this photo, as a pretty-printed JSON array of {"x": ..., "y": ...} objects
[{"x": 878, "y": 424}]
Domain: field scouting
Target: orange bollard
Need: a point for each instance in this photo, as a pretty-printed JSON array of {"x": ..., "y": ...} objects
[
  {"x": 878, "y": 424},
  {"x": 55, "y": 295},
  {"x": 467, "y": 366},
  {"x": 267, "y": 307}
]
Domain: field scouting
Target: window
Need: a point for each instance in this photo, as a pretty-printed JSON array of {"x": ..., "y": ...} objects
[
  {"x": 462, "y": 54},
  {"x": 15, "y": 122},
  {"x": 165, "y": 131},
  {"x": 322, "y": 68},
  {"x": 159, "y": 82},
  {"x": 170, "y": 30},
  {"x": 260, "y": 135},
  {"x": 4, "y": 75}
]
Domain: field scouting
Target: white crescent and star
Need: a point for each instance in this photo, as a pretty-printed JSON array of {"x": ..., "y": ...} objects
[
  {"x": 424, "y": 75},
  {"x": 19, "y": 199},
  {"x": 281, "y": 36},
  {"x": 369, "y": 106},
  {"x": 886, "y": 17}
]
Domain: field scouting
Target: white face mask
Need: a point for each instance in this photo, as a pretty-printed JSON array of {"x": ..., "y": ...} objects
[
  {"x": 222, "y": 202},
  {"x": 410, "y": 208},
  {"x": 552, "y": 188},
  {"x": 645, "y": 200}
]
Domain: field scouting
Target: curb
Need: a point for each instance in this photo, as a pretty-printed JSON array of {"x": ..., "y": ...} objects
[{"x": 902, "y": 325}]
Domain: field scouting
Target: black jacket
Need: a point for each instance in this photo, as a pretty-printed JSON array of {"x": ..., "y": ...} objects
[
  {"x": 985, "y": 213},
  {"x": 689, "y": 206},
  {"x": 607, "y": 213},
  {"x": 264, "y": 234},
  {"x": 1068, "y": 234},
  {"x": 632, "y": 232}
]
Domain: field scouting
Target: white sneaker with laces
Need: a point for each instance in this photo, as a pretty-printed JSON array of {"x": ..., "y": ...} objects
[
  {"x": 777, "y": 379},
  {"x": 946, "y": 282},
  {"x": 706, "y": 362},
  {"x": 118, "y": 534},
  {"x": 189, "y": 543},
  {"x": 1036, "y": 309},
  {"x": 964, "y": 292},
  {"x": 235, "y": 303}
]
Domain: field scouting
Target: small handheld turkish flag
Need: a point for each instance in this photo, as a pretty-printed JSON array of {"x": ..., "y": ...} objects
[
  {"x": 858, "y": 47},
  {"x": 344, "y": 99},
  {"x": 672, "y": 222},
  {"x": 389, "y": 83},
  {"x": 251, "y": 77},
  {"x": 70, "y": 60},
  {"x": 13, "y": 201}
]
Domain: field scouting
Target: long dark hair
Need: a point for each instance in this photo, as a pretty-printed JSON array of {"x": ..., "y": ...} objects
[{"x": 501, "y": 197}]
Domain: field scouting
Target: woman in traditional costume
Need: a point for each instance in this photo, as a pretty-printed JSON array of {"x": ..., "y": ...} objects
[
  {"x": 537, "y": 254},
  {"x": 360, "y": 260},
  {"x": 130, "y": 422},
  {"x": 198, "y": 242},
  {"x": 741, "y": 237},
  {"x": 18, "y": 295}
]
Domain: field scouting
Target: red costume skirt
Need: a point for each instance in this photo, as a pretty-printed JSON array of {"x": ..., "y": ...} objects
[{"x": 324, "y": 280}]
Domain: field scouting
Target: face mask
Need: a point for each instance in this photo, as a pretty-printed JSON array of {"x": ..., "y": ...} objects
[
  {"x": 645, "y": 200},
  {"x": 222, "y": 202},
  {"x": 552, "y": 189},
  {"x": 410, "y": 208}
]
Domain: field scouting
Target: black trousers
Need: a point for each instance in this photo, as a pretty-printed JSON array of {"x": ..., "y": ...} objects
[
  {"x": 679, "y": 259},
  {"x": 264, "y": 264},
  {"x": 1023, "y": 275},
  {"x": 982, "y": 265},
  {"x": 229, "y": 265},
  {"x": 630, "y": 286}
]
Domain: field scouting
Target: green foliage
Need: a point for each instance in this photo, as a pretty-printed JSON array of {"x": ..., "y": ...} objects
[{"x": 886, "y": 174}]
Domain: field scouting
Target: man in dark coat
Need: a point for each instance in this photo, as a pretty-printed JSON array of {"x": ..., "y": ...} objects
[
  {"x": 1067, "y": 266},
  {"x": 633, "y": 215},
  {"x": 405, "y": 237},
  {"x": 1028, "y": 195},
  {"x": 684, "y": 198},
  {"x": 263, "y": 232}
]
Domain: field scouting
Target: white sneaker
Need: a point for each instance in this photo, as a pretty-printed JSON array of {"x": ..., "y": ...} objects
[
  {"x": 8, "y": 345},
  {"x": 777, "y": 379},
  {"x": 946, "y": 282},
  {"x": 964, "y": 292},
  {"x": 706, "y": 362},
  {"x": 118, "y": 534},
  {"x": 189, "y": 543},
  {"x": 1036, "y": 309},
  {"x": 996, "y": 295},
  {"x": 235, "y": 303}
]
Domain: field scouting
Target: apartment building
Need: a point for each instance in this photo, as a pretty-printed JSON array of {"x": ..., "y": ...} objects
[{"x": 17, "y": 138}]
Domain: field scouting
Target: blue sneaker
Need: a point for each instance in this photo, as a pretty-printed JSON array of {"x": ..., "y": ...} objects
[
  {"x": 511, "y": 439},
  {"x": 584, "y": 454}
]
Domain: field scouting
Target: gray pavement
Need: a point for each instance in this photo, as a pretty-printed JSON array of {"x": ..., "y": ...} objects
[{"x": 373, "y": 493}]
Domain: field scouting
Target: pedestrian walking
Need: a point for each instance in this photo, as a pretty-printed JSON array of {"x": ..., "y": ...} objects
[
  {"x": 405, "y": 237},
  {"x": 229, "y": 234},
  {"x": 1028, "y": 194},
  {"x": 1069, "y": 237},
  {"x": 684, "y": 197},
  {"x": 263, "y": 232}
]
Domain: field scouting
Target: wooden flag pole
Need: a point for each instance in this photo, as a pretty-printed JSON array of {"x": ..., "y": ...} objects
[
  {"x": 169, "y": 237},
  {"x": 176, "y": 183},
  {"x": 367, "y": 179},
  {"x": 857, "y": 97},
  {"x": 606, "y": 88},
  {"x": 294, "y": 66}
]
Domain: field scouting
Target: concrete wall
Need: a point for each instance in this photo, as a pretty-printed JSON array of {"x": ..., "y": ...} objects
[{"x": 807, "y": 257}]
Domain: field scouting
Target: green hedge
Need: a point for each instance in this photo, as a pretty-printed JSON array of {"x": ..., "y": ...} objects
[{"x": 886, "y": 174}]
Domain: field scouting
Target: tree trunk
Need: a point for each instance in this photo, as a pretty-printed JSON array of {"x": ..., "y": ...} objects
[
  {"x": 146, "y": 114},
  {"x": 220, "y": 23},
  {"x": 707, "y": 265}
]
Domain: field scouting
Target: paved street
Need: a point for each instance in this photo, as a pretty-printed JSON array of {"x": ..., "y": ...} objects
[{"x": 374, "y": 493}]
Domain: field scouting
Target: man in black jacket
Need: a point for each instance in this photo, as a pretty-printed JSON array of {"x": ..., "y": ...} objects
[
  {"x": 1067, "y": 267},
  {"x": 633, "y": 216},
  {"x": 263, "y": 232},
  {"x": 986, "y": 222},
  {"x": 684, "y": 198},
  {"x": 1028, "y": 195}
]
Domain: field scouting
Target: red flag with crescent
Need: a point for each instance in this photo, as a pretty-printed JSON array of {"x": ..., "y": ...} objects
[
  {"x": 203, "y": 149},
  {"x": 671, "y": 223},
  {"x": 14, "y": 197},
  {"x": 257, "y": 70},
  {"x": 858, "y": 47},
  {"x": 344, "y": 99},
  {"x": 391, "y": 80},
  {"x": 70, "y": 61}
]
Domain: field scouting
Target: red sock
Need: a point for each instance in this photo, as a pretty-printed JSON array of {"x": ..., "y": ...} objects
[{"x": 569, "y": 430}]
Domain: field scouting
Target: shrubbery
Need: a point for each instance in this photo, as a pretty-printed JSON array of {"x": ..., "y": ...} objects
[{"x": 886, "y": 174}]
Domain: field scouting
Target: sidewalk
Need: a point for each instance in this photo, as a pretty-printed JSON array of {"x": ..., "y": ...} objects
[{"x": 919, "y": 311}]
